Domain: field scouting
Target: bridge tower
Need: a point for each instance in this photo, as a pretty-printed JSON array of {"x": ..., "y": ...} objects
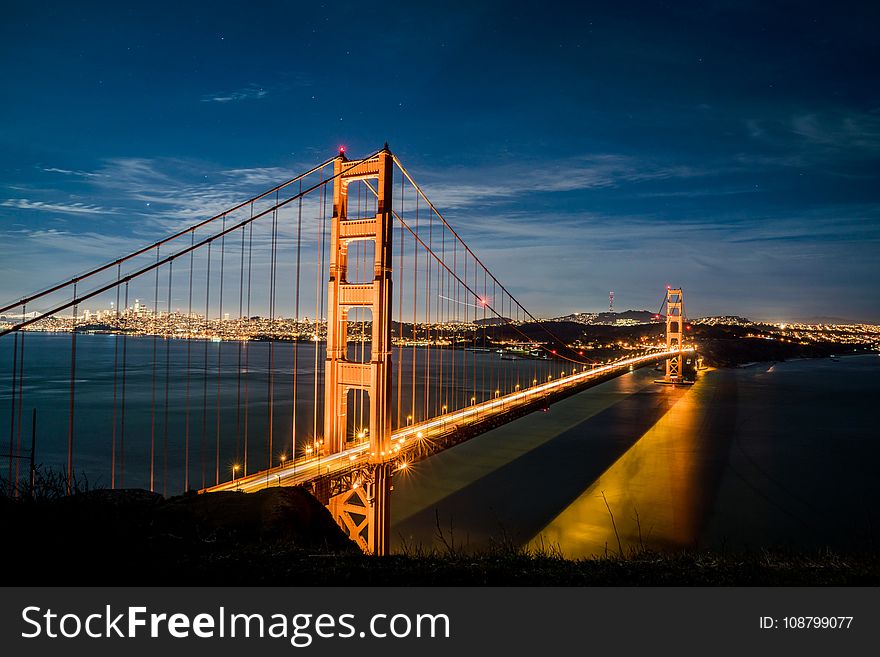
[
  {"x": 363, "y": 510},
  {"x": 674, "y": 333}
]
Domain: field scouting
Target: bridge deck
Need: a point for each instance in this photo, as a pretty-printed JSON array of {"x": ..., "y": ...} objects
[{"x": 433, "y": 431}]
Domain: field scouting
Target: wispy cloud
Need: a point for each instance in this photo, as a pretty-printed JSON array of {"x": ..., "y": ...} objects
[
  {"x": 844, "y": 130},
  {"x": 453, "y": 189},
  {"x": 80, "y": 244},
  {"x": 172, "y": 193},
  {"x": 266, "y": 176},
  {"x": 71, "y": 172},
  {"x": 835, "y": 141},
  {"x": 69, "y": 208},
  {"x": 250, "y": 92}
]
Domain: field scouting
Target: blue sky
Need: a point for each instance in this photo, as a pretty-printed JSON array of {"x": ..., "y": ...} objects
[{"x": 728, "y": 147}]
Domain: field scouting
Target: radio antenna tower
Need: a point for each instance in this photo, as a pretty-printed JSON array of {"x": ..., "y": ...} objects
[{"x": 611, "y": 301}]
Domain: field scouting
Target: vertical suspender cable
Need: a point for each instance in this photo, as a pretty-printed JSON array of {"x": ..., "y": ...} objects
[
  {"x": 122, "y": 405},
  {"x": 240, "y": 339},
  {"x": 400, "y": 310},
  {"x": 296, "y": 335},
  {"x": 272, "y": 333},
  {"x": 189, "y": 330},
  {"x": 206, "y": 339},
  {"x": 428, "y": 409},
  {"x": 168, "y": 338},
  {"x": 12, "y": 408},
  {"x": 319, "y": 303},
  {"x": 70, "y": 432},
  {"x": 153, "y": 379},
  {"x": 247, "y": 351},
  {"x": 115, "y": 376},
  {"x": 20, "y": 404},
  {"x": 222, "y": 332},
  {"x": 415, "y": 306}
]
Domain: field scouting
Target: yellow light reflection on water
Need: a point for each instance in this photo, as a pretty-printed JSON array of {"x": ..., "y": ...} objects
[{"x": 652, "y": 489}]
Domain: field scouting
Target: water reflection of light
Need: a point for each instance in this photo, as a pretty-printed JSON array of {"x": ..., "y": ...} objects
[{"x": 652, "y": 486}]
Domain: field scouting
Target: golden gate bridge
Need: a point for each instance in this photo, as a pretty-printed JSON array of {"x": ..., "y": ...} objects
[{"x": 381, "y": 339}]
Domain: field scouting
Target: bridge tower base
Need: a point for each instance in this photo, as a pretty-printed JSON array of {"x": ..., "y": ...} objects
[{"x": 364, "y": 510}]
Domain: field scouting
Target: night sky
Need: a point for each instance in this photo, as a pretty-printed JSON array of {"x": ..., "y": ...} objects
[{"x": 731, "y": 148}]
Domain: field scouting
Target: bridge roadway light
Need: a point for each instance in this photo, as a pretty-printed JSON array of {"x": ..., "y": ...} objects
[{"x": 234, "y": 470}]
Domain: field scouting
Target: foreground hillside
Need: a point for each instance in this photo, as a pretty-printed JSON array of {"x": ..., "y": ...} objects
[{"x": 283, "y": 536}]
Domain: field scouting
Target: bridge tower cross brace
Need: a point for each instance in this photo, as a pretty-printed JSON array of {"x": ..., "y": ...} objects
[
  {"x": 674, "y": 333},
  {"x": 363, "y": 511}
]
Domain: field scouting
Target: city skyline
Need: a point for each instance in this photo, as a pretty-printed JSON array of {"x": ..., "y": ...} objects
[{"x": 729, "y": 149}]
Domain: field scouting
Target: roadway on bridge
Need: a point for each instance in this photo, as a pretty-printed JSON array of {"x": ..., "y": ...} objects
[{"x": 304, "y": 470}]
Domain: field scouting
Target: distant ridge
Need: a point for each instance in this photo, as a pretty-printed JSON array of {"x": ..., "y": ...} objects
[
  {"x": 627, "y": 317},
  {"x": 724, "y": 320},
  {"x": 825, "y": 319}
]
